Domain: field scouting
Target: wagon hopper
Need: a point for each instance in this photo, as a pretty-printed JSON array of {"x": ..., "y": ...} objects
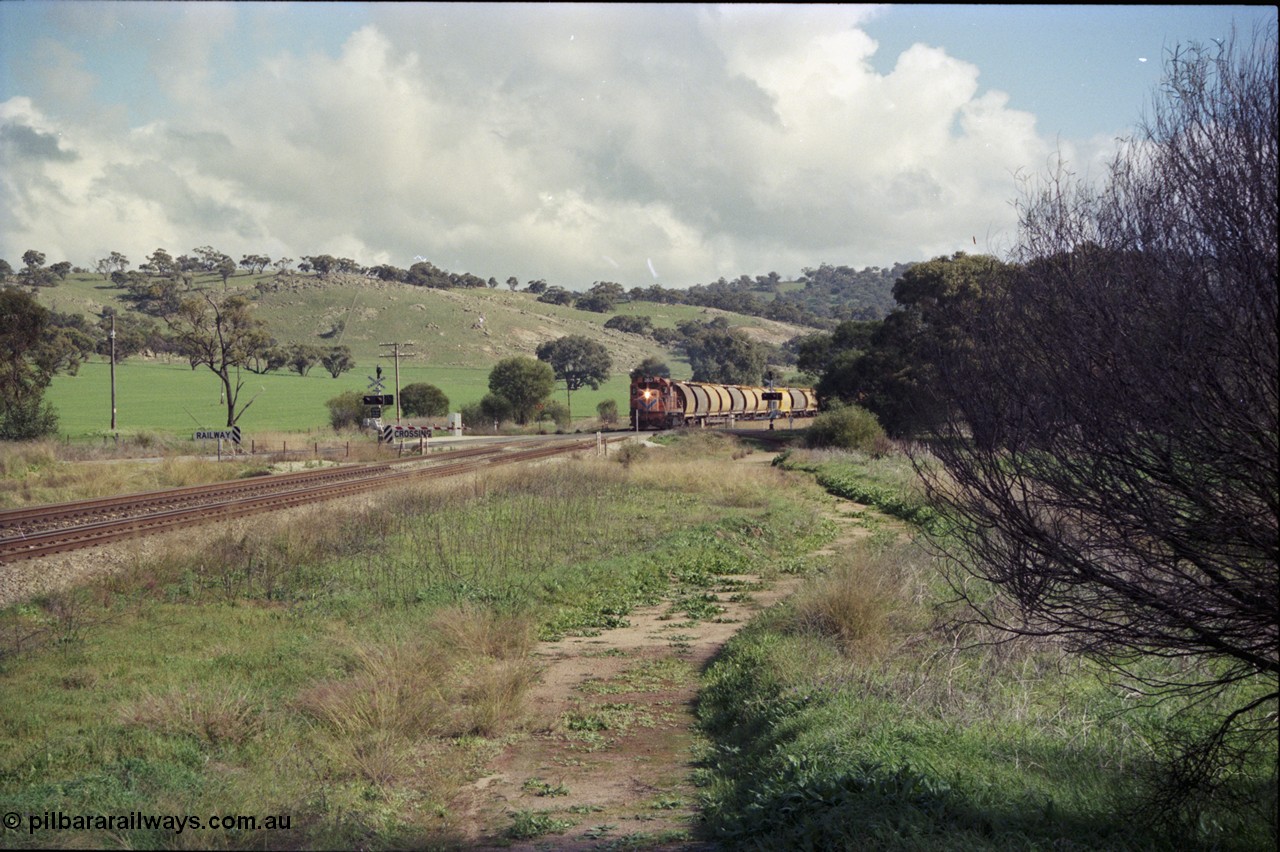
[{"x": 660, "y": 403}]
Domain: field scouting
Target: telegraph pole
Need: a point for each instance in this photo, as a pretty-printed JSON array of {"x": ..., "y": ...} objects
[
  {"x": 112, "y": 337},
  {"x": 395, "y": 349}
]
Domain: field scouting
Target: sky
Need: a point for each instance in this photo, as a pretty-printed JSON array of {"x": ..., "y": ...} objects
[{"x": 669, "y": 144}]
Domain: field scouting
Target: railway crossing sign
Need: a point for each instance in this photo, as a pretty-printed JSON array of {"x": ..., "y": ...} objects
[
  {"x": 232, "y": 434},
  {"x": 771, "y": 395},
  {"x": 380, "y": 399},
  {"x": 395, "y": 433},
  {"x": 375, "y": 383}
]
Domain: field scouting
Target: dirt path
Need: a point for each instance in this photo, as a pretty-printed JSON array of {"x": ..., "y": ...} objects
[
  {"x": 611, "y": 756},
  {"x": 611, "y": 760}
]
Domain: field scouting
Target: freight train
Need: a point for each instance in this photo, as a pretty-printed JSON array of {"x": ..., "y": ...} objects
[{"x": 660, "y": 403}]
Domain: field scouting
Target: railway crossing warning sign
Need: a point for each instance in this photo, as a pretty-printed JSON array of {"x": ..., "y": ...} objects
[
  {"x": 232, "y": 434},
  {"x": 396, "y": 433}
]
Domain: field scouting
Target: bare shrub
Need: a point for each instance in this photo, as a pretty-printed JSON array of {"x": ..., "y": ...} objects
[{"x": 1112, "y": 456}]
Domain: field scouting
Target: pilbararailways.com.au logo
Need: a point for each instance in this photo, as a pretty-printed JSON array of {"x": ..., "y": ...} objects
[{"x": 137, "y": 821}]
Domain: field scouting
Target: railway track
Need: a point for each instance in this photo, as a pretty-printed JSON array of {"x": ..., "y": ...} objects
[{"x": 45, "y": 530}]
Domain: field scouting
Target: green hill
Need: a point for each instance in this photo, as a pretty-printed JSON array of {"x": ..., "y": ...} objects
[{"x": 456, "y": 337}]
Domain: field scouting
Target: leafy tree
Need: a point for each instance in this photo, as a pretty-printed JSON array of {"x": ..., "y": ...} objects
[
  {"x": 892, "y": 367},
  {"x": 26, "y": 368},
  {"x": 34, "y": 273},
  {"x": 594, "y": 302},
  {"x": 303, "y": 356},
  {"x": 346, "y": 410},
  {"x": 652, "y": 366},
  {"x": 61, "y": 269},
  {"x": 322, "y": 264},
  {"x": 68, "y": 342},
  {"x": 225, "y": 267},
  {"x": 537, "y": 286},
  {"x": 612, "y": 291},
  {"x": 496, "y": 408},
  {"x": 268, "y": 357},
  {"x": 555, "y": 412},
  {"x": 158, "y": 297},
  {"x": 524, "y": 383},
  {"x": 255, "y": 263},
  {"x": 725, "y": 356},
  {"x": 601, "y": 298},
  {"x": 577, "y": 361},
  {"x": 223, "y": 335},
  {"x": 338, "y": 360},
  {"x": 846, "y": 427},
  {"x": 114, "y": 262},
  {"x": 423, "y": 400},
  {"x": 187, "y": 267},
  {"x": 555, "y": 296},
  {"x": 631, "y": 325},
  {"x": 386, "y": 272},
  {"x": 607, "y": 411},
  {"x": 513, "y": 283},
  {"x": 161, "y": 262},
  {"x": 5, "y": 271},
  {"x": 1121, "y": 493},
  {"x": 134, "y": 333}
]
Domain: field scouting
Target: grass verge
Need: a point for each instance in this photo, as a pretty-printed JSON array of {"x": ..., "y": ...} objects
[
  {"x": 350, "y": 666},
  {"x": 858, "y": 715}
]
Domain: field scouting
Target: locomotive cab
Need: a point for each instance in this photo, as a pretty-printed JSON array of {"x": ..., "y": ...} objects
[{"x": 654, "y": 404}]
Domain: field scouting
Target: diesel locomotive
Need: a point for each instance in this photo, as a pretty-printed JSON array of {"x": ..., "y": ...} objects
[{"x": 660, "y": 403}]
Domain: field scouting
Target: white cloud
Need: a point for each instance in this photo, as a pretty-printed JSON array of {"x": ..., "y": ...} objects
[{"x": 572, "y": 143}]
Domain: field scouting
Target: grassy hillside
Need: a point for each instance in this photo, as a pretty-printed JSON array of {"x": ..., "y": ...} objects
[{"x": 451, "y": 349}]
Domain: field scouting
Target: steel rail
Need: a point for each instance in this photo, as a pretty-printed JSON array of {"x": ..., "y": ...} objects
[
  {"x": 13, "y": 521},
  {"x": 24, "y": 547}
]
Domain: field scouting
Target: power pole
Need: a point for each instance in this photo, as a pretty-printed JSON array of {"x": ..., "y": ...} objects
[
  {"x": 112, "y": 337},
  {"x": 395, "y": 349}
]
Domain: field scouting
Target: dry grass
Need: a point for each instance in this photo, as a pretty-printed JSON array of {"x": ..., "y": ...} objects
[
  {"x": 718, "y": 479},
  {"x": 217, "y": 717},
  {"x": 469, "y": 673},
  {"x": 869, "y": 603}
]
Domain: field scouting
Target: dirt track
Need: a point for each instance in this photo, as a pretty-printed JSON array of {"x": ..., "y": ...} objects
[{"x": 612, "y": 757}]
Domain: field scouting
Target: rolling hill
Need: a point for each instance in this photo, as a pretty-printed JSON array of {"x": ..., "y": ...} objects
[{"x": 456, "y": 336}]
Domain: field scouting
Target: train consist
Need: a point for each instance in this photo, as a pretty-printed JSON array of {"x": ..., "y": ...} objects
[{"x": 660, "y": 403}]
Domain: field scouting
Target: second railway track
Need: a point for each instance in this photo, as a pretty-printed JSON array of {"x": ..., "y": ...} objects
[{"x": 45, "y": 530}]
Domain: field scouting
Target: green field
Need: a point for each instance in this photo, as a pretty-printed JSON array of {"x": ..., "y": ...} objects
[
  {"x": 173, "y": 399},
  {"x": 447, "y": 344}
]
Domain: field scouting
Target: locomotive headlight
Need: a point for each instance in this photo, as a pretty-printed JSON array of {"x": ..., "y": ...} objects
[{"x": 648, "y": 393}]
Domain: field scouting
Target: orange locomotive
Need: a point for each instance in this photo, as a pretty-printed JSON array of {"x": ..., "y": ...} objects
[{"x": 660, "y": 403}]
